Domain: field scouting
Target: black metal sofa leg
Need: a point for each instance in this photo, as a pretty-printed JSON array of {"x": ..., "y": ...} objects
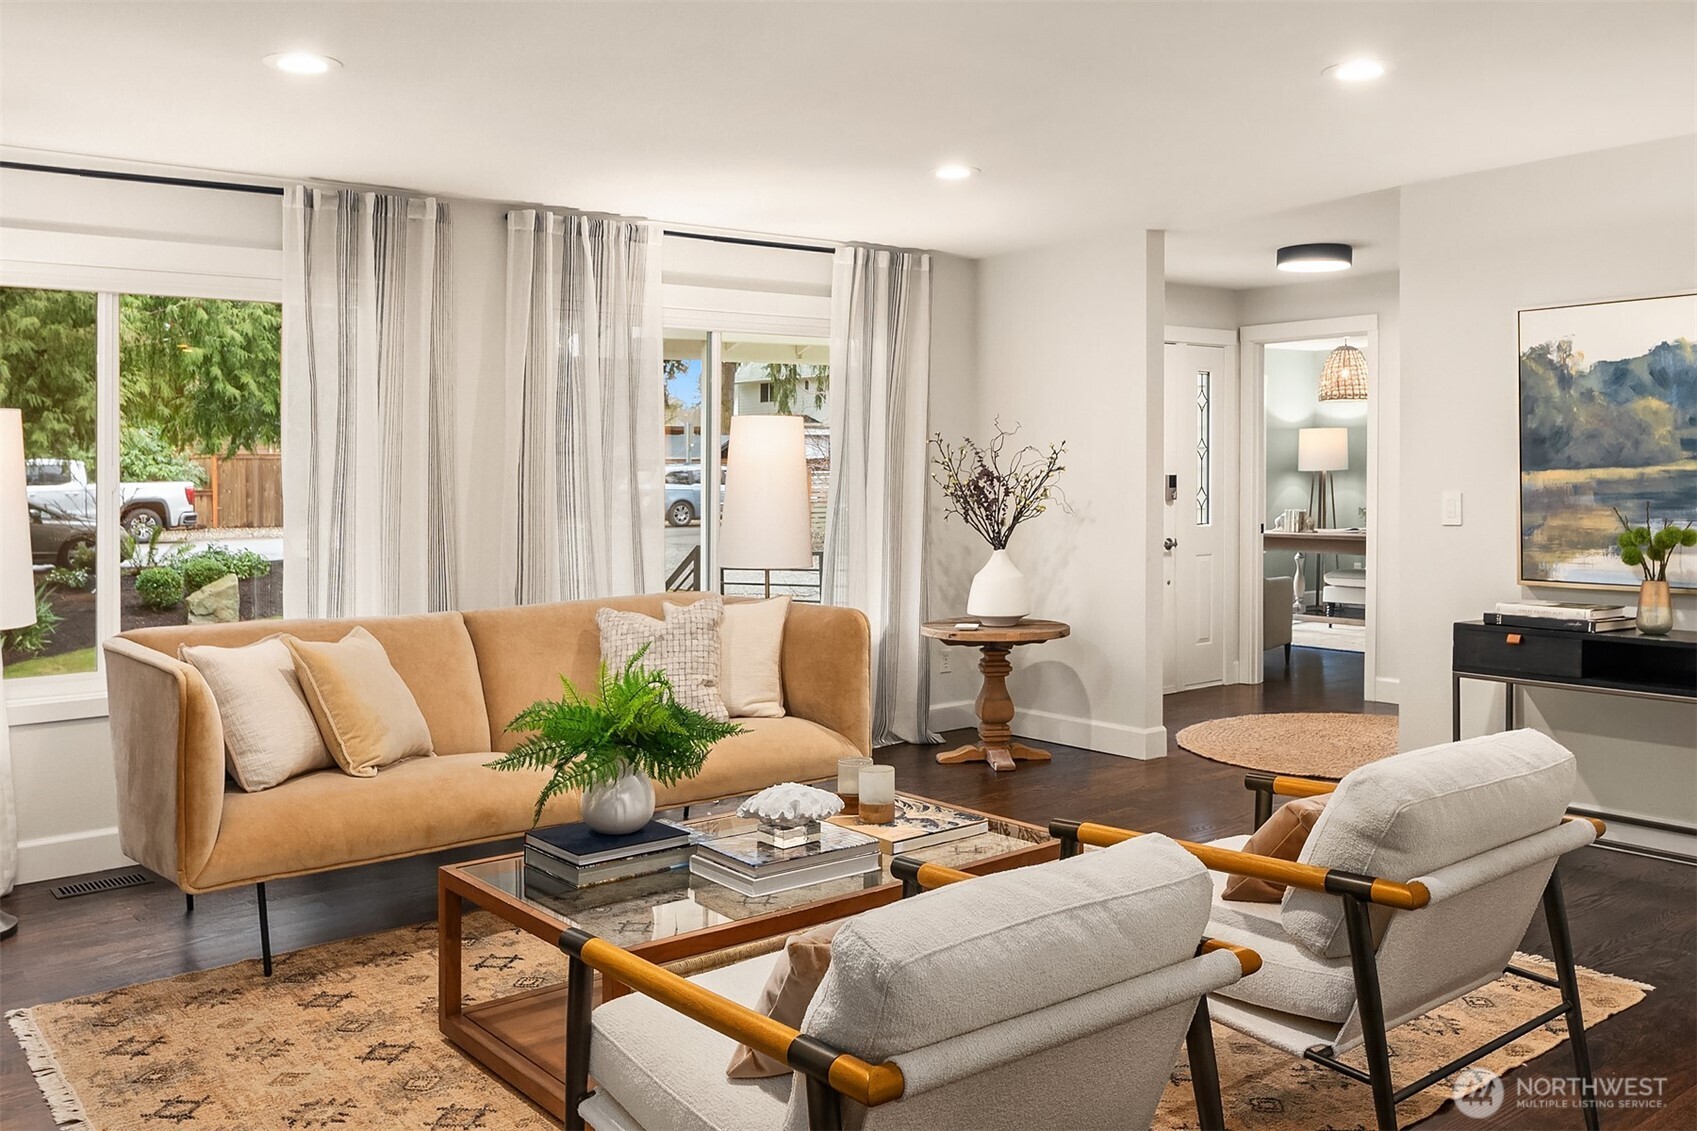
[
  {"x": 264, "y": 930},
  {"x": 1561, "y": 946},
  {"x": 188, "y": 903},
  {"x": 1204, "y": 1069}
]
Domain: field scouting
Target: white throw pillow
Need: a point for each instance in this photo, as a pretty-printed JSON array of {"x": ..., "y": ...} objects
[
  {"x": 269, "y": 732},
  {"x": 685, "y": 646},
  {"x": 752, "y": 638}
]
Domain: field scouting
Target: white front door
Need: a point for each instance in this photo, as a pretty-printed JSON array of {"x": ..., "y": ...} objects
[{"x": 1195, "y": 551}]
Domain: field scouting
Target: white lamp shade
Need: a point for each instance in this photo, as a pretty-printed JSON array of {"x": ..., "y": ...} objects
[
  {"x": 1322, "y": 449},
  {"x": 17, "y": 577},
  {"x": 768, "y": 521}
]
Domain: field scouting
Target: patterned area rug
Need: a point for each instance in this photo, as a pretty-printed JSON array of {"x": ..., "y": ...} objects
[
  {"x": 344, "y": 1037},
  {"x": 1309, "y": 744}
]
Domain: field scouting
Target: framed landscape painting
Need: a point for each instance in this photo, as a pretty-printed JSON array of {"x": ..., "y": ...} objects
[{"x": 1608, "y": 420}]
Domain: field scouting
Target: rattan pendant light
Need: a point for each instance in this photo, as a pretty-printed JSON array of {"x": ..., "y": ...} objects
[{"x": 1344, "y": 377}]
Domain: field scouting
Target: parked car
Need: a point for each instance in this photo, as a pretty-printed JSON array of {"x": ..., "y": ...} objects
[
  {"x": 61, "y": 488},
  {"x": 53, "y": 538},
  {"x": 683, "y": 494}
]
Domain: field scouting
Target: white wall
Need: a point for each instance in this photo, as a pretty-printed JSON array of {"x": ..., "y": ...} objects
[
  {"x": 1069, "y": 342},
  {"x": 1477, "y": 249},
  {"x": 1213, "y": 308}
]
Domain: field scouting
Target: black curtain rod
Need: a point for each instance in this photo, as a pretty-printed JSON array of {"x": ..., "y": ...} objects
[
  {"x": 142, "y": 178},
  {"x": 749, "y": 242}
]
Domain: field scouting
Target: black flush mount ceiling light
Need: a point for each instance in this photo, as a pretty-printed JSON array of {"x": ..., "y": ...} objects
[{"x": 1310, "y": 258}]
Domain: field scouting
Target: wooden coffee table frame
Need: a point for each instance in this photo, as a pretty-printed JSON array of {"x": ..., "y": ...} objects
[{"x": 521, "y": 1037}]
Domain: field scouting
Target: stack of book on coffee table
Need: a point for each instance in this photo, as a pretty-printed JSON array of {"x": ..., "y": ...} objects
[
  {"x": 1564, "y": 616},
  {"x": 918, "y": 824},
  {"x": 748, "y": 866},
  {"x": 576, "y": 856}
]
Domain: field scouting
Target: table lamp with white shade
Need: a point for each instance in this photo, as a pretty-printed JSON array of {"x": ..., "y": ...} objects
[
  {"x": 17, "y": 609},
  {"x": 768, "y": 518},
  {"x": 1322, "y": 451}
]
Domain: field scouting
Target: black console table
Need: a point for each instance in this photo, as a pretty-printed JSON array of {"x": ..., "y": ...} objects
[{"x": 1610, "y": 663}]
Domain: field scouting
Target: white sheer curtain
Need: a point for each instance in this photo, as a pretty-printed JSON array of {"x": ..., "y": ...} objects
[
  {"x": 875, "y": 530},
  {"x": 585, "y": 407},
  {"x": 368, "y": 441}
]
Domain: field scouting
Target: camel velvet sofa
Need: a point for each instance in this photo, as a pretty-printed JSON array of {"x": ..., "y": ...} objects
[{"x": 180, "y": 815}]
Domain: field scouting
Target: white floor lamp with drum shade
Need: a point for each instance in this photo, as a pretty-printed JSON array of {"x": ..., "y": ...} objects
[
  {"x": 17, "y": 609},
  {"x": 768, "y": 523}
]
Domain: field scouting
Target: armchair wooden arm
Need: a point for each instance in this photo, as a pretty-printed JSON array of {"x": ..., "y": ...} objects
[
  {"x": 1372, "y": 889},
  {"x": 830, "y": 1073},
  {"x": 1266, "y": 786}
]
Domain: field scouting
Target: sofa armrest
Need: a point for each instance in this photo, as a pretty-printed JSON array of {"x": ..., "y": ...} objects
[
  {"x": 827, "y": 670},
  {"x": 168, "y": 752}
]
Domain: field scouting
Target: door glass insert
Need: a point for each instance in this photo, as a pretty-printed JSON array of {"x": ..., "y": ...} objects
[{"x": 1204, "y": 432}]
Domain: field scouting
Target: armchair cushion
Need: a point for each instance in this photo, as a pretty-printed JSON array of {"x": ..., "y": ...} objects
[
  {"x": 1413, "y": 813},
  {"x": 912, "y": 973},
  {"x": 1282, "y": 837},
  {"x": 788, "y": 991},
  {"x": 667, "y": 1072},
  {"x": 1292, "y": 978}
]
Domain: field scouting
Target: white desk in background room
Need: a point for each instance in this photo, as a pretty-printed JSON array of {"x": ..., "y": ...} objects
[{"x": 1314, "y": 543}]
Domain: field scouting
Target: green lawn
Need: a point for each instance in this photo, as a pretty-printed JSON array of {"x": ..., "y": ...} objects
[{"x": 66, "y": 663}]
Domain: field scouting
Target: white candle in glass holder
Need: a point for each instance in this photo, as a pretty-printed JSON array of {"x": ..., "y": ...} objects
[
  {"x": 848, "y": 782},
  {"x": 877, "y": 794}
]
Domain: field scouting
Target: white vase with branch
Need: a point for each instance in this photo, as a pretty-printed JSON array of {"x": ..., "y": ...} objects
[{"x": 994, "y": 491}]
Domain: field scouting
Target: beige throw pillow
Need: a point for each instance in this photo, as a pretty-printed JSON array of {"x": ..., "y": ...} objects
[
  {"x": 685, "y": 646},
  {"x": 1280, "y": 836},
  {"x": 365, "y": 712},
  {"x": 789, "y": 990},
  {"x": 269, "y": 732},
  {"x": 750, "y": 675}
]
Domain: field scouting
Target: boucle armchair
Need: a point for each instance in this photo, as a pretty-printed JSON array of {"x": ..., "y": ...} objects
[
  {"x": 1055, "y": 995},
  {"x": 1415, "y": 886}
]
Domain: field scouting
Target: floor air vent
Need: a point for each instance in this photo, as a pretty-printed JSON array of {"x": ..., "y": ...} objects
[{"x": 104, "y": 883}]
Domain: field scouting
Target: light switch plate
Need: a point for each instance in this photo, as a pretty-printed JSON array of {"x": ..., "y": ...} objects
[{"x": 1452, "y": 508}]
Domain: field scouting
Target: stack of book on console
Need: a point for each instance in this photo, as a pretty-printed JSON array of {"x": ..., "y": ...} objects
[
  {"x": 744, "y": 864},
  {"x": 1567, "y": 616},
  {"x": 918, "y": 824},
  {"x": 577, "y": 856}
]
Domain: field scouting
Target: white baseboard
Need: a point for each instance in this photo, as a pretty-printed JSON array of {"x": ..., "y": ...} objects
[
  {"x": 1387, "y": 689},
  {"x": 1069, "y": 730},
  {"x": 69, "y": 854}
]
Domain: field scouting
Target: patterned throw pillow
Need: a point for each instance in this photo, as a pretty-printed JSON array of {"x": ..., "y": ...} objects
[{"x": 685, "y": 646}]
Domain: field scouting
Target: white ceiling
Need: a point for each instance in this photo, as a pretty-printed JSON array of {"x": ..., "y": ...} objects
[
  {"x": 825, "y": 119},
  {"x": 1240, "y": 253}
]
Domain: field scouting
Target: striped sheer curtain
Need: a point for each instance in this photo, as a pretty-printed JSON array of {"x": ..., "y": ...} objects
[
  {"x": 875, "y": 529},
  {"x": 585, "y": 407},
  {"x": 368, "y": 451}
]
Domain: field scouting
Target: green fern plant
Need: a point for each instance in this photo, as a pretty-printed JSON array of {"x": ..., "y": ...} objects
[{"x": 634, "y": 722}]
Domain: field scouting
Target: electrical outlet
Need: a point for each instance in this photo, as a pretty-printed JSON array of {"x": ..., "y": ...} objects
[
  {"x": 946, "y": 662},
  {"x": 1451, "y": 515}
]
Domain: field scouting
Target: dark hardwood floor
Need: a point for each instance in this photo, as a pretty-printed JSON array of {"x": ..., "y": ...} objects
[{"x": 1631, "y": 916}]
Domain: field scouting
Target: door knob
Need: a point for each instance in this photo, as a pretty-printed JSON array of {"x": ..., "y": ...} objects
[{"x": 1169, "y": 543}]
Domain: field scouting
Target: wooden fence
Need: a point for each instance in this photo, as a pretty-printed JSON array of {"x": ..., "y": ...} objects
[{"x": 243, "y": 491}]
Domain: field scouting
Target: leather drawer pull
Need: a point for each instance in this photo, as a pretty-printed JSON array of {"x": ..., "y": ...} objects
[{"x": 1513, "y": 638}]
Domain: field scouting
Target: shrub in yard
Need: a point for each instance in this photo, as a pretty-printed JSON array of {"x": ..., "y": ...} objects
[
  {"x": 32, "y": 639},
  {"x": 160, "y": 587},
  {"x": 203, "y": 569},
  {"x": 67, "y": 578},
  {"x": 250, "y": 564}
]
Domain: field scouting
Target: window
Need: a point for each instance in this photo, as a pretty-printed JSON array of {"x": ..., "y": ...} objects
[
  {"x": 1204, "y": 434},
  {"x": 187, "y": 409},
  {"x": 763, "y": 374}
]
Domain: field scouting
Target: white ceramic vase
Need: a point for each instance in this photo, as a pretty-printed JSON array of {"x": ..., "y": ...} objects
[
  {"x": 999, "y": 593},
  {"x": 623, "y": 806}
]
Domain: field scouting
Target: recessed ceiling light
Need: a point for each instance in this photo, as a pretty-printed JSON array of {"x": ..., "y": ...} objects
[
  {"x": 954, "y": 172},
  {"x": 1355, "y": 70},
  {"x": 302, "y": 63},
  {"x": 1309, "y": 258}
]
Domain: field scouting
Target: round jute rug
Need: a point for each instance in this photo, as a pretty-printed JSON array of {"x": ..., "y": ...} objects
[{"x": 1308, "y": 744}]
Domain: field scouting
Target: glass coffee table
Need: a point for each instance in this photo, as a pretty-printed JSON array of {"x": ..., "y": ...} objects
[{"x": 667, "y": 918}]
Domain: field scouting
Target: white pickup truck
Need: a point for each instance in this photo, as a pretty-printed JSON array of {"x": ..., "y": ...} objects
[{"x": 61, "y": 488}]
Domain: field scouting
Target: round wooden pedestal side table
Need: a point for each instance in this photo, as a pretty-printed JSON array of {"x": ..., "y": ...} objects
[{"x": 995, "y": 743}]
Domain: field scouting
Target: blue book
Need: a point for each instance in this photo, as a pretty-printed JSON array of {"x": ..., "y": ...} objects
[{"x": 579, "y": 844}]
